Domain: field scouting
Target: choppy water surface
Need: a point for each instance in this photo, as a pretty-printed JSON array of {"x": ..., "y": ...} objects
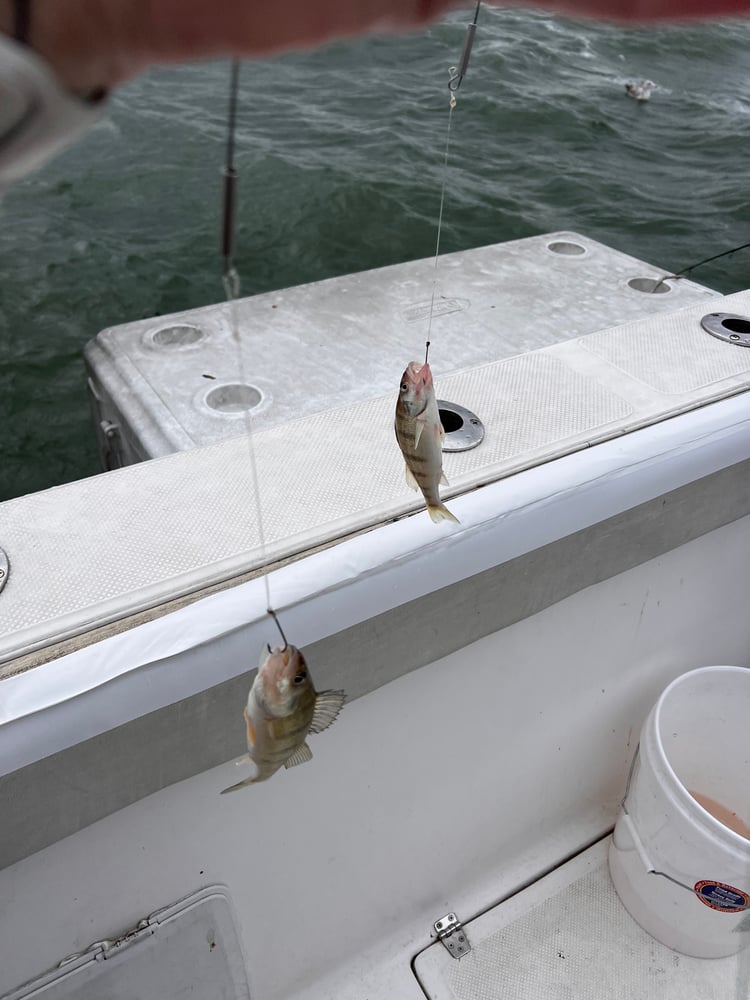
[{"x": 340, "y": 158}]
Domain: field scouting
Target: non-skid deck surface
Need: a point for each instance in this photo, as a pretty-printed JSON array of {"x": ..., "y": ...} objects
[
  {"x": 90, "y": 552},
  {"x": 341, "y": 340},
  {"x": 568, "y": 937}
]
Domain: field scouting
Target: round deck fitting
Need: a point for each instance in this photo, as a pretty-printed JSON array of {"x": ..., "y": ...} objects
[
  {"x": 180, "y": 336},
  {"x": 567, "y": 248},
  {"x": 4, "y": 569},
  {"x": 730, "y": 327},
  {"x": 654, "y": 286},
  {"x": 236, "y": 397},
  {"x": 463, "y": 429}
]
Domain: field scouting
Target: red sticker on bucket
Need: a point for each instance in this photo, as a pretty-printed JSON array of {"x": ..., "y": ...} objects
[{"x": 720, "y": 896}]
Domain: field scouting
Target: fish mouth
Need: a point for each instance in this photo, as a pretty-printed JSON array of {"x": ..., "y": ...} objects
[
  {"x": 424, "y": 376},
  {"x": 419, "y": 372}
]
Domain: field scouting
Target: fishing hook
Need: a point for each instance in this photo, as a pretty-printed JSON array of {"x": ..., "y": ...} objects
[{"x": 275, "y": 617}]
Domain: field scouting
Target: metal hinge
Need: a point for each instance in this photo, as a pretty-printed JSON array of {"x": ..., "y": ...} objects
[
  {"x": 450, "y": 931},
  {"x": 111, "y": 457},
  {"x": 102, "y": 950},
  {"x": 110, "y": 429},
  {"x": 4, "y": 569}
]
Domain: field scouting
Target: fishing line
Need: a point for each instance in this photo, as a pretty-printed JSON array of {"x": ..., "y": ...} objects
[
  {"x": 686, "y": 270},
  {"x": 455, "y": 79},
  {"x": 439, "y": 228},
  {"x": 231, "y": 282}
]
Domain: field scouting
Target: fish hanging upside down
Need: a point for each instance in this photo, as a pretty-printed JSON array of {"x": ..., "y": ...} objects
[
  {"x": 282, "y": 708},
  {"x": 420, "y": 437}
]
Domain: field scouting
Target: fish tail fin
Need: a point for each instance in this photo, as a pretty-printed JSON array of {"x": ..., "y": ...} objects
[
  {"x": 240, "y": 784},
  {"x": 439, "y": 512}
]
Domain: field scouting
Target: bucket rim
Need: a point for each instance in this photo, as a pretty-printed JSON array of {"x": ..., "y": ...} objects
[{"x": 688, "y": 801}]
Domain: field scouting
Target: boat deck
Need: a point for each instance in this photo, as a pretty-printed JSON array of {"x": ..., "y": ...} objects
[
  {"x": 181, "y": 381},
  {"x": 331, "y": 474},
  {"x": 568, "y": 935},
  {"x": 497, "y": 674}
]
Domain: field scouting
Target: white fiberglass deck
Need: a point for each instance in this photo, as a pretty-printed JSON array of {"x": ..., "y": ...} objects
[
  {"x": 167, "y": 528},
  {"x": 181, "y": 381},
  {"x": 498, "y": 672},
  {"x": 450, "y": 789},
  {"x": 569, "y": 936}
]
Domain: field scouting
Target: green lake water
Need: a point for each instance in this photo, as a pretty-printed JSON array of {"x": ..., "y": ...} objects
[{"x": 340, "y": 158}]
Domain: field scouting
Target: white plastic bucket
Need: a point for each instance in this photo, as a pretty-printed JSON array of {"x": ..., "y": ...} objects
[{"x": 682, "y": 873}]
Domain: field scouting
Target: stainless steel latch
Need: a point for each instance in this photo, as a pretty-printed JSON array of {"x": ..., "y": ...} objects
[
  {"x": 450, "y": 931},
  {"x": 4, "y": 569}
]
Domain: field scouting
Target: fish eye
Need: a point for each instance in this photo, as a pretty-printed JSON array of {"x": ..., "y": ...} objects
[
  {"x": 404, "y": 387},
  {"x": 300, "y": 677}
]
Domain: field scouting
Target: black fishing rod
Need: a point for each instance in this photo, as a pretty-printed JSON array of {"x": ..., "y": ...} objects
[
  {"x": 230, "y": 177},
  {"x": 686, "y": 270},
  {"x": 457, "y": 75}
]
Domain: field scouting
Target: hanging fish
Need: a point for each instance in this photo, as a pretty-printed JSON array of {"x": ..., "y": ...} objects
[
  {"x": 282, "y": 708},
  {"x": 420, "y": 437}
]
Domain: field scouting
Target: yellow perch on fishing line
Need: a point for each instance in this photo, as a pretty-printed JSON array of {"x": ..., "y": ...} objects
[
  {"x": 282, "y": 708},
  {"x": 420, "y": 437}
]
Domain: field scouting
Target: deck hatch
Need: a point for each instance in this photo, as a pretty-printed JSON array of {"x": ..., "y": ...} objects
[
  {"x": 188, "y": 949},
  {"x": 568, "y": 935}
]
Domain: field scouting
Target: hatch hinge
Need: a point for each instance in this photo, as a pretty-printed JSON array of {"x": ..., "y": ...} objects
[
  {"x": 111, "y": 457},
  {"x": 450, "y": 931},
  {"x": 102, "y": 950}
]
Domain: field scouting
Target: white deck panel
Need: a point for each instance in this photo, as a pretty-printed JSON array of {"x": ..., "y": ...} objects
[
  {"x": 121, "y": 542},
  {"x": 569, "y": 935},
  {"x": 333, "y": 342},
  {"x": 449, "y": 789}
]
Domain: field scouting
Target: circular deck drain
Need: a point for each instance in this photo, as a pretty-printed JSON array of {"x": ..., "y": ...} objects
[
  {"x": 234, "y": 398},
  {"x": 730, "y": 327},
  {"x": 463, "y": 429},
  {"x": 182, "y": 335},
  {"x": 4, "y": 569},
  {"x": 654, "y": 286},
  {"x": 566, "y": 248}
]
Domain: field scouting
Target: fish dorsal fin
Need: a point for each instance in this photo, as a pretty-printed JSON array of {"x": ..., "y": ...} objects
[
  {"x": 301, "y": 754},
  {"x": 411, "y": 482},
  {"x": 443, "y": 480},
  {"x": 327, "y": 707}
]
